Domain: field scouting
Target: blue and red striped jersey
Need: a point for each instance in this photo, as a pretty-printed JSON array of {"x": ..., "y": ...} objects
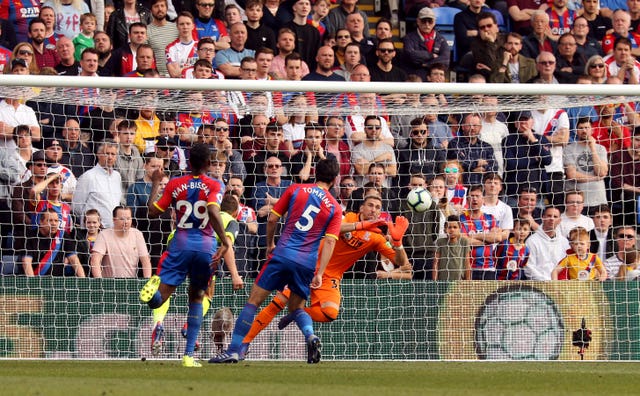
[
  {"x": 481, "y": 256},
  {"x": 510, "y": 260},
  {"x": 190, "y": 196},
  {"x": 312, "y": 213}
]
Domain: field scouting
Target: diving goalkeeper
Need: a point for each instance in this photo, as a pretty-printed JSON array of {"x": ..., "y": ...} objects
[{"x": 359, "y": 235}]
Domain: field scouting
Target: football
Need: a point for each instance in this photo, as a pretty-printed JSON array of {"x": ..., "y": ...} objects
[{"x": 419, "y": 200}]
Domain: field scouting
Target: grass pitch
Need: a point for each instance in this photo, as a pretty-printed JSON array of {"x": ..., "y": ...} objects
[{"x": 327, "y": 378}]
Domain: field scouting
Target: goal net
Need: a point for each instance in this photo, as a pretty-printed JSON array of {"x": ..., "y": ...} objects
[{"x": 512, "y": 174}]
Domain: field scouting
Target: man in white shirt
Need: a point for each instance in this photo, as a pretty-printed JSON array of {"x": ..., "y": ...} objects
[
  {"x": 547, "y": 247},
  {"x": 100, "y": 187}
]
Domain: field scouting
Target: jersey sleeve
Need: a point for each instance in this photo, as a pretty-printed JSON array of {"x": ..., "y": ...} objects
[
  {"x": 280, "y": 208},
  {"x": 333, "y": 230},
  {"x": 216, "y": 191}
]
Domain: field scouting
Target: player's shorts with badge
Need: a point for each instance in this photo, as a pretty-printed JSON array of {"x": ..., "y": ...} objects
[
  {"x": 279, "y": 272},
  {"x": 178, "y": 264}
]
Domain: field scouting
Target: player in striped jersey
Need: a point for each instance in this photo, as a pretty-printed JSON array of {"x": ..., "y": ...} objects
[
  {"x": 312, "y": 214},
  {"x": 228, "y": 211},
  {"x": 512, "y": 254},
  {"x": 196, "y": 198},
  {"x": 359, "y": 235},
  {"x": 483, "y": 232}
]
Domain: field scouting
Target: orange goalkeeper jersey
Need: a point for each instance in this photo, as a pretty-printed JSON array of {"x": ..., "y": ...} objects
[{"x": 352, "y": 246}]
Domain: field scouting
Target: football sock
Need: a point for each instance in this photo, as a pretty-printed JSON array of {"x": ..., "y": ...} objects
[
  {"x": 156, "y": 301},
  {"x": 318, "y": 314},
  {"x": 243, "y": 324},
  {"x": 262, "y": 320},
  {"x": 160, "y": 312},
  {"x": 206, "y": 304},
  {"x": 194, "y": 321},
  {"x": 303, "y": 320}
]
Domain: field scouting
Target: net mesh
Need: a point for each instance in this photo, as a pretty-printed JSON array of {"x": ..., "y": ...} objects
[{"x": 384, "y": 313}]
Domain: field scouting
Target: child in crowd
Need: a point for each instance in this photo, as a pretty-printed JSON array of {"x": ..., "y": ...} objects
[
  {"x": 456, "y": 192},
  {"x": 579, "y": 263},
  {"x": 453, "y": 254},
  {"x": 84, "y": 39},
  {"x": 85, "y": 237},
  {"x": 512, "y": 254}
]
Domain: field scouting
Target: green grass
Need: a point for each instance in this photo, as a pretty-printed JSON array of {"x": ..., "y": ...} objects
[{"x": 326, "y": 379}]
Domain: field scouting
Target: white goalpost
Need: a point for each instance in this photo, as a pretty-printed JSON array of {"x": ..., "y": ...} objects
[{"x": 381, "y": 317}]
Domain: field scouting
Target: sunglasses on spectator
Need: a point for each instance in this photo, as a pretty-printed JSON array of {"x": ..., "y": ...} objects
[
  {"x": 25, "y": 52},
  {"x": 386, "y": 50},
  {"x": 416, "y": 132},
  {"x": 274, "y": 166},
  {"x": 626, "y": 236},
  {"x": 166, "y": 148},
  {"x": 547, "y": 63},
  {"x": 426, "y": 20},
  {"x": 374, "y": 127},
  {"x": 597, "y": 66},
  {"x": 206, "y": 4},
  {"x": 222, "y": 129},
  {"x": 450, "y": 170}
]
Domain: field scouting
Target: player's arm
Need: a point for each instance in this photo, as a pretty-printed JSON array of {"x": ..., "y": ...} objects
[
  {"x": 325, "y": 255},
  {"x": 272, "y": 221},
  {"x": 230, "y": 262},
  {"x": 364, "y": 225},
  {"x": 216, "y": 221}
]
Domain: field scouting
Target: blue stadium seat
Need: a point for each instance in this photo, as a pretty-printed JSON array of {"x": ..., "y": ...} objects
[{"x": 444, "y": 22}]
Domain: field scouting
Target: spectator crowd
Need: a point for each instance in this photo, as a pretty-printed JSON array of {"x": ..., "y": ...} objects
[{"x": 529, "y": 194}]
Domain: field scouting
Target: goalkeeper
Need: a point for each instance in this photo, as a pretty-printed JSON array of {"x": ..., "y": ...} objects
[
  {"x": 359, "y": 235},
  {"x": 228, "y": 211}
]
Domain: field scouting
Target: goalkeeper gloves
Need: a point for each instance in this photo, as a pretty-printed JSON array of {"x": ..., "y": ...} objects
[
  {"x": 370, "y": 225},
  {"x": 397, "y": 230}
]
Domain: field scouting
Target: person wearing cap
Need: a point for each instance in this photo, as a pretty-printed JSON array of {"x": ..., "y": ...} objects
[
  {"x": 526, "y": 155},
  {"x": 14, "y": 113},
  {"x": 425, "y": 46},
  {"x": 53, "y": 155}
]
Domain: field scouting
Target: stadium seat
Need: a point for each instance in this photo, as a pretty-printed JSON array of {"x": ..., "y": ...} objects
[{"x": 444, "y": 22}]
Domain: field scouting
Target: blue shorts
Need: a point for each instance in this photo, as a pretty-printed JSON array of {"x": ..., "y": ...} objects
[
  {"x": 178, "y": 264},
  {"x": 278, "y": 273}
]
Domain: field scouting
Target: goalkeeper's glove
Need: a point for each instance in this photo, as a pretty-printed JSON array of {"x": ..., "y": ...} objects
[
  {"x": 397, "y": 230},
  {"x": 370, "y": 225}
]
